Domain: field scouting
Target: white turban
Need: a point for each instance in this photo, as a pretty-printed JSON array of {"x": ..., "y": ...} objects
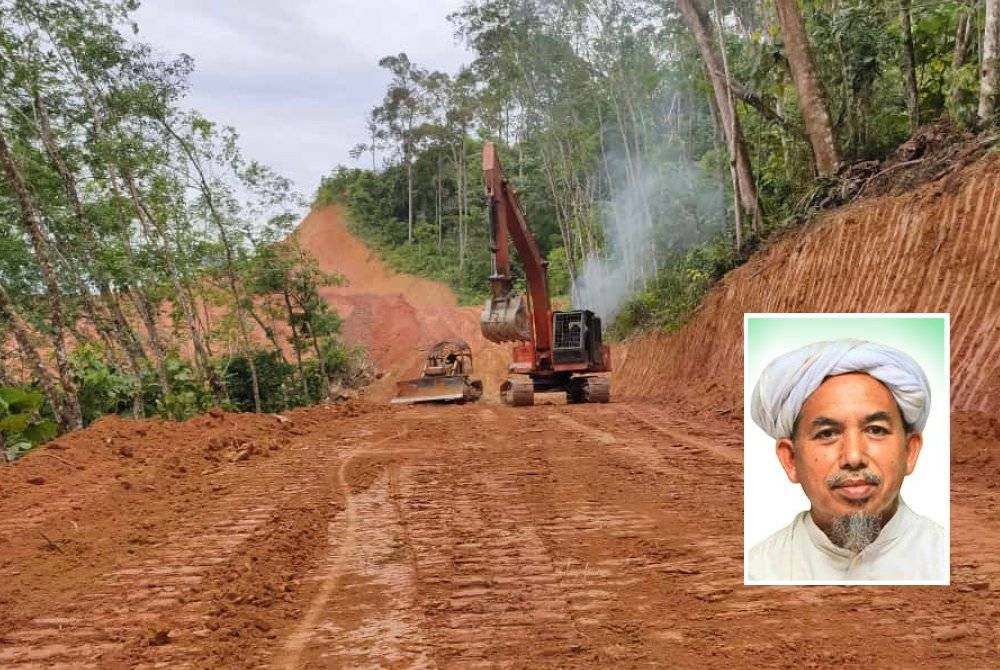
[{"x": 790, "y": 379}]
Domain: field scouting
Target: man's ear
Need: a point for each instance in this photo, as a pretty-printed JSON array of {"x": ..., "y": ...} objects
[
  {"x": 914, "y": 443},
  {"x": 786, "y": 456}
]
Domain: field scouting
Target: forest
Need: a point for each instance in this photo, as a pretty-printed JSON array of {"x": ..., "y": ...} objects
[
  {"x": 148, "y": 267},
  {"x": 655, "y": 145}
]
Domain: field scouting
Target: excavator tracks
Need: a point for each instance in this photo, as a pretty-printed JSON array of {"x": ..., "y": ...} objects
[{"x": 517, "y": 393}]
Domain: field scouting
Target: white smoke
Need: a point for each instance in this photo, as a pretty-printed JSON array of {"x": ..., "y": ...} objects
[{"x": 656, "y": 208}]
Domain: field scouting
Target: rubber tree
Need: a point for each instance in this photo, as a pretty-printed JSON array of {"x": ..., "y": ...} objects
[
  {"x": 697, "y": 20},
  {"x": 812, "y": 101},
  {"x": 34, "y": 226},
  {"x": 989, "y": 87}
]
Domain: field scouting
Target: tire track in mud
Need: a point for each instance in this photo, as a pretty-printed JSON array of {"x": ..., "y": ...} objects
[
  {"x": 357, "y": 539},
  {"x": 724, "y": 620},
  {"x": 119, "y": 619},
  {"x": 471, "y": 556}
]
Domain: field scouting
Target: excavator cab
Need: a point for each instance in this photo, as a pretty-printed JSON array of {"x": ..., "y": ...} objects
[{"x": 577, "y": 338}]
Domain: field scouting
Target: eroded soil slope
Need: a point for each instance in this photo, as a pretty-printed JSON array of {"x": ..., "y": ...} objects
[
  {"x": 397, "y": 317},
  {"x": 480, "y": 536},
  {"x": 936, "y": 249}
]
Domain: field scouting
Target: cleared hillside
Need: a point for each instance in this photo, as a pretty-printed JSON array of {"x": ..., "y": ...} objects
[{"x": 936, "y": 249}]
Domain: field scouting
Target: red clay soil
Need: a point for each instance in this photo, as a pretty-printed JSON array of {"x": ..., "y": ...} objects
[
  {"x": 397, "y": 317},
  {"x": 481, "y": 536},
  {"x": 936, "y": 249}
]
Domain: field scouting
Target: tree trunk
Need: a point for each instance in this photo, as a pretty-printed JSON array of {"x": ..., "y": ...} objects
[
  {"x": 144, "y": 308},
  {"x": 409, "y": 197},
  {"x": 698, "y": 23},
  {"x": 230, "y": 261},
  {"x": 437, "y": 208},
  {"x": 811, "y": 99},
  {"x": 963, "y": 34},
  {"x": 50, "y": 386},
  {"x": 990, "y": 83},
  {"x": 112, "y": 331},
  {"x": 296, "y": 345},
  {"x": 910, "y": 66},
  {"x": 32, "y": 221}
]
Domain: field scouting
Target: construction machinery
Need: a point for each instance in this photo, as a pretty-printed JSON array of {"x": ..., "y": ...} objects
[
  {"x": 445, "y": 378},
  {"x": 556, "y": 351}
]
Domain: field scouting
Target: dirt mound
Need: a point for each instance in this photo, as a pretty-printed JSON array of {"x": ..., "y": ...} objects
[
  {"x": 395, "y": 316},
  {"x": 936, "y": 249}
]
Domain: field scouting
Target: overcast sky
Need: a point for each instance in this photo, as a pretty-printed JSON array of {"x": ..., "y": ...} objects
[{"x": 296, "y": 78}]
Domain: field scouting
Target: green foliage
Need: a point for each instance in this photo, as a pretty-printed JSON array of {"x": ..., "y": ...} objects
[
  {"x": 188, "y": 395},
  {"x": 146, "y": 208},
  {"x": 23, "y": 425},
  {"x": 377, "y": 209},
  {"x": 274, "y": 377},
  {"x": 677, "y": 289},
  {"x": 101, "y": 388}
]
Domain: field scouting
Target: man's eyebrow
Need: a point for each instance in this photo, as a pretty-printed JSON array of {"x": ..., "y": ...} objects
[
  {"x": 824, "y": 421},
  {"x": 878, "y": 416}
]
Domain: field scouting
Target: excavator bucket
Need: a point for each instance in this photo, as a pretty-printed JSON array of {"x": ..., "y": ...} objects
[{"x": 506, "y": 319}]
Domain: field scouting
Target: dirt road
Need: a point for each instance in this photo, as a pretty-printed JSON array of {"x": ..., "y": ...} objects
[
  {"x": 438, "y": 537},
  {"x": 554, "y": 536}
]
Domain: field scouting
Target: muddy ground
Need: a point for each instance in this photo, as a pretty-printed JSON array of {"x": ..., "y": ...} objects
[{"x": 361, "y": 535}]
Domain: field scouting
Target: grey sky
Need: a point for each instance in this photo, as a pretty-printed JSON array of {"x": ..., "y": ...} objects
[{"x": 296, "y": 78}]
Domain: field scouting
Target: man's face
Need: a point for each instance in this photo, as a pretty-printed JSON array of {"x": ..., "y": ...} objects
[{"x": 850, "y": 451}]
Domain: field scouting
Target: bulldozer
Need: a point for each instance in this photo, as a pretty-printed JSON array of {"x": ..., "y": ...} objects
[
  {"x": 555, "y": 351},
  {"x": 445, "y": 377}
]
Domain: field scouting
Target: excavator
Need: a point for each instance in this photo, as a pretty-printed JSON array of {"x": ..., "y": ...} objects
[{"x": 556, "y": 352}]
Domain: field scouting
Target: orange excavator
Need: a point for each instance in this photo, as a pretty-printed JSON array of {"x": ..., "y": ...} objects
[{"x": 557, "y": 352}]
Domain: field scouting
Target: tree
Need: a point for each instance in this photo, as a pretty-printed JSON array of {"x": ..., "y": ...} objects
[
  {"x": 812, "y": 102},
  {"x": 400, "y": 113},
  {"x": 990, "y": 82},
  {"x": 746, "y": 190},
  {"x": 31, "y": 217},
  {"x": 910, "y": 65}
]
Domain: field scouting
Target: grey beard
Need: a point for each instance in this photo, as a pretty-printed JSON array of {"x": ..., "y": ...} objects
[{"x": 854, "y": 532}]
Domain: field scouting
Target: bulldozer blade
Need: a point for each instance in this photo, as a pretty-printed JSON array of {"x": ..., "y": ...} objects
[
  {"x": 506, "y": 319},
  {"x": 430, "y": 389}
]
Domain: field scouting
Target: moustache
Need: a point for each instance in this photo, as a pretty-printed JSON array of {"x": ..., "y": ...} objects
[{"x": 853, "y": 479}]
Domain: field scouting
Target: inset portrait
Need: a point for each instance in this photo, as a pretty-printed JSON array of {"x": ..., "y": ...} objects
[{"x": 846, "y": 449}]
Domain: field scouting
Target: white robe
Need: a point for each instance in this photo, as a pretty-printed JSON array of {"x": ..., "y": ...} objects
[{"x": 910, "y": 548}]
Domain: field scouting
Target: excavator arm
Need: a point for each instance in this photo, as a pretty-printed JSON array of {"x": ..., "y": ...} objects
[{"x": 506, "y": 318}]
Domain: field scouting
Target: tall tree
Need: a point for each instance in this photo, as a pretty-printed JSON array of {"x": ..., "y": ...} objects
[
  {"x": 32, "y": 220},
  {"x": 812, "y": 102},
  {"x": 697, "y": 21},
  {"x": 401, "y": 112},
  {"x": 910, "y": 65},
  {"x": 990, "y": 82}
]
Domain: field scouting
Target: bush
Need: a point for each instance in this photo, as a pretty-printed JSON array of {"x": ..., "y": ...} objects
[
  {"x": 102, "y": 389},
  {"x": 188, "y": 395},
  {"x": 274, "y": 377},
  {"x": 22, "y": 423}
]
